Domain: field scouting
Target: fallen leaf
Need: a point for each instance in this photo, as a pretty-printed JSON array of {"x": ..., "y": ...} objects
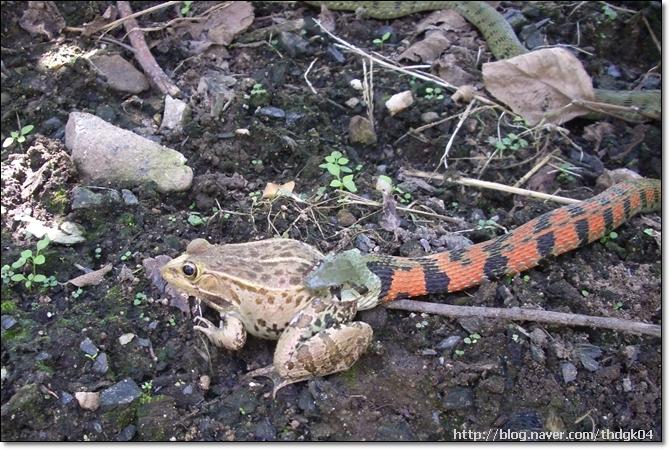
[
  {"x": 449, "y": 67},
  {"x": 42, "y": 18},
  {"x": 327, "y": 19},
  {"x": 389, "y": 220},
  {"x": 273, "y": 190},
  {"x": 125, "y": 275},
  {"x": 223, "y": 24},
  {"x": 88, "y": 400},
  {"x": 92, "y": 278},
  {"x": 441, "y": 28},
  {"x": 541, "y": 85}
]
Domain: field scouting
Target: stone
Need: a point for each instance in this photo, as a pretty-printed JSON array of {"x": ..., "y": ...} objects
[
  {"x": 87, "y": 346},
  {"x": 101, "y": 364},
  {"x": 272, "y": 112},
  {"x": 8, "y": 322},
  {"x": 129, "y": 198},
  {"x": 175, "y": 114},
  {"x": 106, "y": 154},
  {"x": 458, "y": 398},
  {"x": 449, "y": 342},
  {"x": 429, "y": 117},
  {"x": 127, "y": 433},
  {"x": 119, "y": 74},
  {"x": 120, "y": 394},
  {"x": 84, "y": 197},
  {"x": 569, "y": 371},
  {"x": 89, "y": 401},
  {"x": 361, "y": 131}
]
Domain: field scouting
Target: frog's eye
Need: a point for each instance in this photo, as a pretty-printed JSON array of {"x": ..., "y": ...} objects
[{"x": 189, "y": 269}]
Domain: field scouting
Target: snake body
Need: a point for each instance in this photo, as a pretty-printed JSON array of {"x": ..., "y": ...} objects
[
  {"x": 389, "y": 278},
  {"x": 503, "y": 43}
]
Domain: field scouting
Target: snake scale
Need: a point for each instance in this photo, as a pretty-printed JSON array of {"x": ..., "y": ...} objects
[
  {"x": 503, "y": 43},
  {"x": 389, "y": 278}
]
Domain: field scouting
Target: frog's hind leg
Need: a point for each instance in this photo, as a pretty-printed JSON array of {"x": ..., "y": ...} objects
[{"x": 319, "y": 340}]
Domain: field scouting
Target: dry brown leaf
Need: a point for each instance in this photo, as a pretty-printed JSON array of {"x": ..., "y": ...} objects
[
  {"x": 445, "y": 20},
  {"x": 327, "y": 19},
  {"x": 42, "y": 18},
  {"x": 225, "y": 23},
  {"x": 92, "y": 278},
  {"x": 541, "y": 85},
  {"x": 428, "y": 49},
  {"x": 438, "y": 28},
  {"x": 273, "y": 190},
  {"x": 449, "y": 68}
]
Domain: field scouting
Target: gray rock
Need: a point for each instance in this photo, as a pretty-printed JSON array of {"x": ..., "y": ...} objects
[
  {"x": 104, "y": 153},
  {"x": 127, "y": 433},
  {"x": 293, "y": 44},
  {"x": 335, "y": 54},
  {"x": 361, "y": 131},
  {"x": 396, "y": 429},
  {"x": 458, "y": 398},
  {"x": 120, "y": 74},
  {"x": 569, "y": 371},
  {"x": 7, "y": 322},
  {"x": 101, "y": 365},
  {"x": 264, "y": 431},
  {"x": 292, "y": 118},
  {"x": 120, "y": 394},
  {"x": 430, "y": 116},
  {"x": 175, "y": 114},
  {"x": 129, "y": 198},
  {"x": 539, "y": 337},
  {"x": 364, "y": 243},
  {"x": 271, "y": 111},
  {"x": 307, "y": 404},
  {"x": 587, "y": 354},
  {"x": 537, "y": 354},
  {"x": 87, "y": 346},
  {"x": 65, "y": 398},
  {"x": 449, "y": 342},
  {"x": 84, "y": 197},
  {"x": 42, "y": 356}
]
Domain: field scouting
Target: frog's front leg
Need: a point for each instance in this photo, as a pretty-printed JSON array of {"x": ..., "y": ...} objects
[
  {"x": 230, "y": 333},
  {"x": 319, "y": 340}
]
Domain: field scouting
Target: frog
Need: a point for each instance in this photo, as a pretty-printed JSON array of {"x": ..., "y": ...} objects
[{"x": 258, "y": 289}]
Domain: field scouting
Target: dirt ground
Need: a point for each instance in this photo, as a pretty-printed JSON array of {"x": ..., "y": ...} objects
[{"x": 424, "y": 377}]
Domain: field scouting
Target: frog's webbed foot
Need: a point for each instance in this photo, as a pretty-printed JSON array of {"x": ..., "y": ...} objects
[
  {"x": 277, "y": 380},
  {"x": 318, "y": 341},
  {"x": 230, "y": 335}
]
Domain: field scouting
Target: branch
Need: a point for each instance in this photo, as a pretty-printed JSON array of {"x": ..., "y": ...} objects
[
  {"x": 143, "y": 54},
  {"x": 532, "y": 315}
]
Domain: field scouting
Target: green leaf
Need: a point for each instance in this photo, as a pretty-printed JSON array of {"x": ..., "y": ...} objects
[
  {"x": 648, "y": 231},
  {"x": 31, "y": 276},
  {"x": 614, "y": 235},
  {"x": 39, "y": 260},
  {"x": 27, "y": 129},
  {"x": 39, "y": 278},
  {"x": 21, "y": 139},
  {"x": 330, "y": 158},
  {"x": 26, "y": 254},
  {"x": 29, "y": 284},
  {"x": 386, "y": 36},
  {"x": 336, "y": 183},
  {"x": 343, "y": 161},
  {"x": 467, "y": 340},
  {"x": 18, "y": 277},
  {"x": 19, "y": 263},
  {"x": 345, "y": 169},
  {"x": 195, "y": 219},
  {"x": 377, "y": 41},
  {"x": 14, "y": 134},
  {"x": 348, "y": 183},
  {"x": 7, "y": 142},
  {"x": 42, "y": 244},
  {"x": 333, "y": 169}
]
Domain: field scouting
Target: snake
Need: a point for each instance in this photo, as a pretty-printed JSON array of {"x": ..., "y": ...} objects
[
  {"x": 388, "y": 278},
  {"x": 638, "y": 106}
]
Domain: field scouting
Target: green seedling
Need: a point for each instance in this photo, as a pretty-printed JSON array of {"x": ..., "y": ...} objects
[
  {"x": 76, "y": 294},
  {"x": 472, "y": 339},
  {"x": 385, "y": 37},
  {"x": 10, "y": 273},
  {"x": 186, "y": 8},
  {"x": 98, "y": 253},
  {"x": 126, "y": 255},
  {"x": 509, "y": 142},
  {"x": 257, "y": 89},
  {"x": 610, "y": 13},
  {"x": 195, "y": 219},
  {"x": 433, "y": 93},
  {"x": 18, "y": 136},
  {"x": 612, "y": 235},
  {"x": 337, "y": 164},
  {"x": 139, "y": 298}
]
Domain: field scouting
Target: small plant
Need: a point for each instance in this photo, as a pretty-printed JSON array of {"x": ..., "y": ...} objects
[
  {"x": 76, "y": 294},
  {"x": 612, "y": 235},
  {"x": 509, "y": 142},
  {"x": 126, "y": 255},
  {"x": 147, "y": 386},
  {"x": 459, "y": 352},
  {"x": 648, "y": 232},
  {"x": 617, "y": 306},
  {"x": 195, "y": 219},
  {"x": 610, "y": 13},
  {"x": 585, "y": 293},
  {"x": 139, "y": 298},
  {"x": 526, "y": 278},
  {"x": 336, "y": 164},
  {"x": 98, "y": 253},
  {"x": 487, "y": 224},
  {"x": 256, "y": 162},
  {"x": 472, "y": 339},
  {"x": 186, "y": 8},
  {"x": 385, "y": 37},
  {"x": 18, "y": 136},
  {"x": 433, "y": 93},
  {"x": 567, "y": 173},
  {"x": 34, "y": 259},
  {"x": 257, "y": 90},
  {"x": 385, "y": 184},
  {"x": 172, "y": 321}
]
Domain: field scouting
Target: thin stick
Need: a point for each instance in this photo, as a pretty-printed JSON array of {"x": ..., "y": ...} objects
[
  {"x": 464, "y": 181},
  {"x": 532, "y": 315},
  {"x": 445, "y": 155},
  {"x": 535, "y": 168},
  {"x": 118, "y": 22},
  {"x": 651, "y": 33},
  {"x": 143, "y": 54},
  {"x": 307, "y": 79}
]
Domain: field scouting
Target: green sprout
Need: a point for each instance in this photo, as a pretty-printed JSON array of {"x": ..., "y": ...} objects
[
  {"x": 126, "y": 255},
  {"x": 195, "y": 219},
  {"x": 433, "y": 93},
  {"x": 34, "y": 259},
  {"x": 186, "y": 8},
  {"x": 385, "y": 37},
  {"x": 139, "y": 298},
  {"x": 510, "y": 142},
  {"x": 257, "y": 89},
  {"x": 472, "y": 339},
  {"x": 612, "y": 235},
  {"x": 336, "y": 164},
  {"x": 18, "y": 136}
]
